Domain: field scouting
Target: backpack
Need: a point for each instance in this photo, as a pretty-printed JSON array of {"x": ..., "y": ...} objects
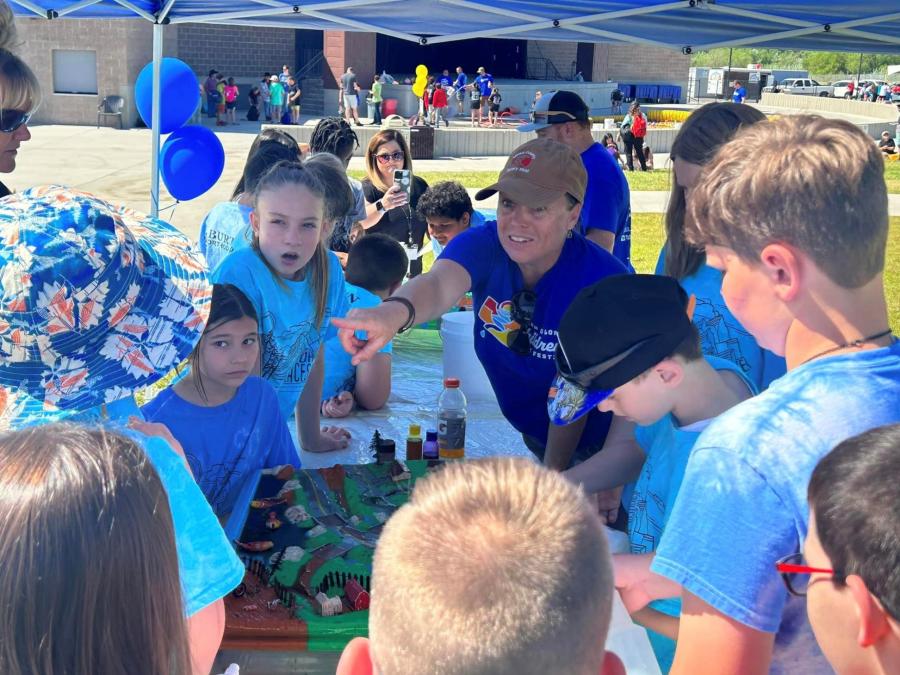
[
  {"x": 639, "y": 126},
  {"x": 286, "y": 117},
  {"x": 253, "y": 113}
]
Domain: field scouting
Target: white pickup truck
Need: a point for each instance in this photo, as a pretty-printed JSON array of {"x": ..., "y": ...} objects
[{"x": 802, "y": 86}]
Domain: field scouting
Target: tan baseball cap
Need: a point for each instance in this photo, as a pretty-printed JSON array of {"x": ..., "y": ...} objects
[{"x": 539, "y": 172}]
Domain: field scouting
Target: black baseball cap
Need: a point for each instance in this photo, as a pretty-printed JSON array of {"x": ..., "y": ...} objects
[
  {"x": 557, "y": 107},
  {"x": 613, "y": 331}
]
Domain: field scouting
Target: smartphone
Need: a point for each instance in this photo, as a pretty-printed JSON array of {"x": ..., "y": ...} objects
[{"x": 403, "y": 180}]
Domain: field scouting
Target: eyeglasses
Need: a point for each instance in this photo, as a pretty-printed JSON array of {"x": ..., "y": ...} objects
[
  {"x": 10, "y": 120},
  {"x": 796, "y": 575},
  {"x": 388, "y": 157},
  {"x": 523, "y": 304}
]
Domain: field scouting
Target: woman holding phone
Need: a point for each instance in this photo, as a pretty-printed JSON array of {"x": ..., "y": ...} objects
[{"x": 392, "y": 193}]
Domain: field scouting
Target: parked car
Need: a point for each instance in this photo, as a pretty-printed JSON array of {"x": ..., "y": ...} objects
[
  {"x": 841, "y": 89},
  {"x": 895, "y": 92},
  {"x": 802, "y": 86}
]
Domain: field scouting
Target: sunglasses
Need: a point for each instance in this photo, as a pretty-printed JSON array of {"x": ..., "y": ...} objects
[
  {"x": 585, "y": 378},
  {"x": 523, "y": 305},
  {"x": 10, "y": 120},
  {"x": 387, "y": 157},
  {"x": 547, "y": 113},
  {"x": 795, "y": 574}
]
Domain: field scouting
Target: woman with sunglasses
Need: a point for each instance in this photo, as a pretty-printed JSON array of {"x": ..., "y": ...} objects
[
  {"x": 390, "y": 208},
  {"x": 523, "y": 271},
  {"x": 20, "y": 94}
]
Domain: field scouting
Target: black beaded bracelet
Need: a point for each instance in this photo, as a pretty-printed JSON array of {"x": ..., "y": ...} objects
[{"x": 409, "y": 308}]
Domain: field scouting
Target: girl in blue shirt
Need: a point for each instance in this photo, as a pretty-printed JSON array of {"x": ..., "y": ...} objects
[
  {"x": 227, "y": 420},
  {"x": 721, "y": 335},
  {"x": 295, "y": 285}
]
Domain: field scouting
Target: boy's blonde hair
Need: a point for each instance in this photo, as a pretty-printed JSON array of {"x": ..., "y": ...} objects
[
  {"x": 494, "y": 566},
  {"x": 816, "y": 184}
]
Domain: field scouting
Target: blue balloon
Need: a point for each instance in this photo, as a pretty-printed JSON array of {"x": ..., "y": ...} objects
[
  {"x": 179, "y": 98},
  {"x": 191, "y": 161}
]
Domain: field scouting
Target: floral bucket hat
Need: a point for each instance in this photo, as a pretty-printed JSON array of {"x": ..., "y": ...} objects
[{"x": 96, "y": 301}]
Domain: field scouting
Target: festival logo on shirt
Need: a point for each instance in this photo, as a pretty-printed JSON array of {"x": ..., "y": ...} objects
[{"x": 498, "y": 321}]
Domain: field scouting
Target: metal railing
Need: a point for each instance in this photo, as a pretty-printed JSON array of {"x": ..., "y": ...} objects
[
  {"x": 541, "y": 68},
  {"x": 312, "y": 67}
]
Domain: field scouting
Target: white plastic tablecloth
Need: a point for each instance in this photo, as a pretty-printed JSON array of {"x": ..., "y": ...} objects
[{"x": 416, "y": 385}]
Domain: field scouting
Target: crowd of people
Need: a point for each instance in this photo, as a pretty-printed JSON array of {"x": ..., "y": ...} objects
[{"x": 737, "y": 412}]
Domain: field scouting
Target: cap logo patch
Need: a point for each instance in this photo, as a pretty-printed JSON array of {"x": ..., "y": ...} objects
[{"x": 520, "y": 162}]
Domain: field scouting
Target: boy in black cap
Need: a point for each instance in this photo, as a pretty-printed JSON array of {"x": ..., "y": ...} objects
[{"x": 643, "y": 363}]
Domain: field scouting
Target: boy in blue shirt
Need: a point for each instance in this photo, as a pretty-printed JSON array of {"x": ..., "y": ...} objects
[
  {"x": 804, "y": 274},
  {"x": 376, "y": 266},
  {"x": 644, "y": 364}
]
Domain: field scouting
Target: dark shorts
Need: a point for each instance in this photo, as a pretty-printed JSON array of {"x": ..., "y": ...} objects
[
  {"x": 231, "y": 105},
  {"x": 495, "y": 107},
  {"x": 475, "y": 105}
]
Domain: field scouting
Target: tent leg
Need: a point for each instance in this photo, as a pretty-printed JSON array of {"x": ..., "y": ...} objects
[{"x": 157, "y": 99}]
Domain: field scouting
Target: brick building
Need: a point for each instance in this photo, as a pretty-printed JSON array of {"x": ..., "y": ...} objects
[{"x": 80, "y": 61}]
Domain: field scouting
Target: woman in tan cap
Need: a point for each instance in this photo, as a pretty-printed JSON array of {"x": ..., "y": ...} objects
[{"x": 523, "y": 271}]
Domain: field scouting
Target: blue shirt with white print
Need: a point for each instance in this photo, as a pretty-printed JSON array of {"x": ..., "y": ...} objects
[
  {"x": 522, "y": 383},
  {"x": 721, "y": 334},
  {"x": 225, "y": 228},
  {"x": 607, "y": 201},
  {"x": 286, "y": 311},
  {"x": 667, "y": 447},
  {"x": 742, "y": 504}
]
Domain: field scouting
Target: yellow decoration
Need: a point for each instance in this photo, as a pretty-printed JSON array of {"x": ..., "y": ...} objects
[{"x": 421, "y": 71}]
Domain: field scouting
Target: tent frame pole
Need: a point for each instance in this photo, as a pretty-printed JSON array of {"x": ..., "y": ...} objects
[{"x": 157, "y": 105}]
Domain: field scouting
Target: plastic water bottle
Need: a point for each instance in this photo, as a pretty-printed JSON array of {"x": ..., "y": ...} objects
[{"x": 452, "y": 420}]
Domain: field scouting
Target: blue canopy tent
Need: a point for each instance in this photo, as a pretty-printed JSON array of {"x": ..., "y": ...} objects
[{"x": 686, "y": 25}]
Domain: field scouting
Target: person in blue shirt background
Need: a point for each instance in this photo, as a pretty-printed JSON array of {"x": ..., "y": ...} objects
[
  {"x": 662, "y": 393},
  {"x": 376, "y": 266},
  {"x": 447, "y": 209},
  {"x": 459, "y": 84},
  {"x": 721, "y": 334},
  {"x": 482, "y": 84},
  {"x": 523, "y": 271},
  {"x": 606, "y": 215},
  {"x": 445, "y": 79},
  {"x": 227, "y": 420},
  {"x": 740, "y": 93}
]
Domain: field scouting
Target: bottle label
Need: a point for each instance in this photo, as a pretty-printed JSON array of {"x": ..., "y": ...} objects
[{"x": 452, "y": 437}]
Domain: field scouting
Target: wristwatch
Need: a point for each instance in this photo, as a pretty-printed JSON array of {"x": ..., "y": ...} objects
[{"x": 379, "y": 206}]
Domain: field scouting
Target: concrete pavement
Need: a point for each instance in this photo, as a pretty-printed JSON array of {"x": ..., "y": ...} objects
[{"x": 115, "y": 164}]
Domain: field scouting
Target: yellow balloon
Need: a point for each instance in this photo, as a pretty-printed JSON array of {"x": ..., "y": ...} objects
[
  {"x": 419, "y": 89},
  {"x": 421, "y": 70}
]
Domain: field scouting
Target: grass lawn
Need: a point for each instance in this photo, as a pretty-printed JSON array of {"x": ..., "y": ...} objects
[
  {"x": 638, "y": 181},
  {"x": 647, "y": 235}
]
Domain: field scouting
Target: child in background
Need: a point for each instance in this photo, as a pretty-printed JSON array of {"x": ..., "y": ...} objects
[
  {"x": 721, "y": 334},
  {"x": 231, "y": 96},
  {"x": 852, "y": 552},
  {"x": 276, "y": 98},
  {"x": 662, "y": 394},
  {"x": 494, "y": 105},
  {"x": 805, "y": 275},
  {"x": 87, "y": 528},
  {"x": 648, "y": 157},
  {"x": 106, "y": 302},
  {"x": 226, "y": 227},
  {"x": 293, "y": 97},
  {"x": 533, "y": 598},
  {"x": 226, "y": 419},
  {"x": 376, "y": 267},
  {"x": 255, "y": 97},
  {"x": 439, "y": 105},
  {"x": 447, "y": 208},
  {"x": 295, "y": 285},
  {"x": 221, "y": 105}
]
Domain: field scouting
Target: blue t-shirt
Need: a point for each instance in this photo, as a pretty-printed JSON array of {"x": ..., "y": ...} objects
[
  {"x": 476, "y": 220},
  {"x": 482, "y": 83},
  {"x": 723, "y": 335},
  {"x": 742, "y": 504},
  {"x": 666, "y": 447},
  {"x": 226, "y": 443},
  {"x": 461, "y": 81},
  {"x": 607, "y": 201},
  {"x": 208, "y": 567},
  {"x": 739, "y": 95},
  {"x": 340, "y": 374},
  {"x": 225, "y": 228},
  {"x": 287, "y": 312},
  {"x": 445, "y": 80},
  {"x": 522, "y": 383}
]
